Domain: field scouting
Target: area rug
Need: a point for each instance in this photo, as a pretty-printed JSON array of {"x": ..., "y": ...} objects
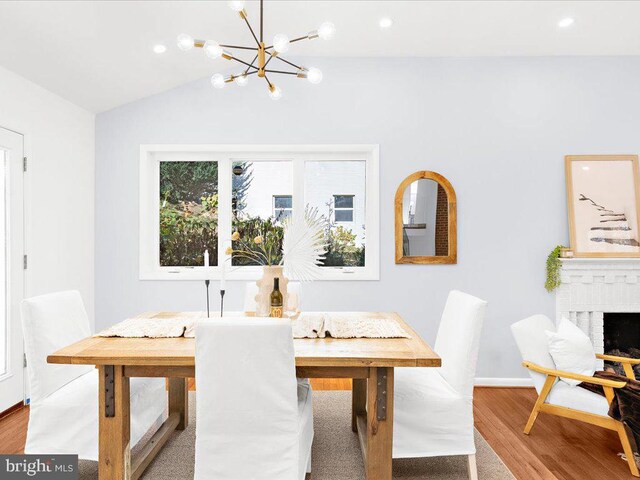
[{"x": 335, "y": 456}]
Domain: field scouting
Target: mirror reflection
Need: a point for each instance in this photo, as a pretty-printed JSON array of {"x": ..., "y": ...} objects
[{"x": 425, "y": 219}]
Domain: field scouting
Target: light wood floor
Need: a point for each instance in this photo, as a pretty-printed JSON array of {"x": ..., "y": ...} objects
[{"x": 557, "y": 449}]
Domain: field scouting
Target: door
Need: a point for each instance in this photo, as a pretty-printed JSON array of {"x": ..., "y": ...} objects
[{"x": 11, "y": 268}]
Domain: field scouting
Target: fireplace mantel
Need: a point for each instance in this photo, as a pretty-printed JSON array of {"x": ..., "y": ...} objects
[{"x": 592, "y": 286}]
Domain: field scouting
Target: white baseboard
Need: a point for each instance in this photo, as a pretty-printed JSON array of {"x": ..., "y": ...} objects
[{"x": 503, "y": 382}]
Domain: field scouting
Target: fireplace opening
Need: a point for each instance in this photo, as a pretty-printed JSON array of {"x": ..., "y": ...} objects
[{"x": 622, "y": 338}]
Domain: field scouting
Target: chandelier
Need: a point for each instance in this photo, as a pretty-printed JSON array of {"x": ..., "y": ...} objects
[{"x": 260, "y": 64}]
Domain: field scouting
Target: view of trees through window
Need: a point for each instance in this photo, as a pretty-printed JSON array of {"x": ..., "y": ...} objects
[
  {"x": 261, "y": 201},
  {"x": 188, "y": 213}
]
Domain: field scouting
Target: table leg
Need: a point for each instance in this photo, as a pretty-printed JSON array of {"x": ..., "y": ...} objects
[
  {"x": 114, "y": 428},
  {"x": 179, "y": 400},
  {"x": 379, "y": 443},
  {"x": 358, "y": 400}
]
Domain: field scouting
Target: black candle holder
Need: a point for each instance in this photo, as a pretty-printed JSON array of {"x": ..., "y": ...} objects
[{"x": 206, "y": 284}]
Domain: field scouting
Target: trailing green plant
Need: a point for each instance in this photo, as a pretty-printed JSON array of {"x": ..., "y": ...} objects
[{"x": 553, "y": 269}]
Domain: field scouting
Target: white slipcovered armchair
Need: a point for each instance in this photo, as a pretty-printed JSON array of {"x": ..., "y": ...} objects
[
  {"x": 253, "y": 419},
  {"x": 63, "y": 416},
  {"x": 434, "y": 406},
  {"x": 559, "y": 398}
]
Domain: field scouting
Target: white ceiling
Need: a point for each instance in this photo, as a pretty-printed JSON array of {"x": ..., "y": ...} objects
[{"x": 98, "y": 54}]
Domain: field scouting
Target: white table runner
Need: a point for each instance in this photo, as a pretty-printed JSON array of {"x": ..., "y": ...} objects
[{"x": 309, "y": 325}]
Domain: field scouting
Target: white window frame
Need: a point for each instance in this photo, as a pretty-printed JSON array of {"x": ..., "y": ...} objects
[
  {"x": 225, "y": 155},
  {"x": 352, "y": 208},
  {"x": 275, "y": 210}
]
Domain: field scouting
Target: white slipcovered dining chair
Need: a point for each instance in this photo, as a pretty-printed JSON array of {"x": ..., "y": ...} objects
[
  {"x": 434, "y": 406},
  {"x": 557, "y": 397},
  {"x": 63, "y": 416},
  {"x": 254, "y": 421}
]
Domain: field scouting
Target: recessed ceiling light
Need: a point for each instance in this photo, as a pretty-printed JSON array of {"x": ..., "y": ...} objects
[
  {"x": 385, "y": 22},
  {"x": 585, "y": 168},
  {"x": 159, "y": 48},
  {"x": 565, "y": 22}
]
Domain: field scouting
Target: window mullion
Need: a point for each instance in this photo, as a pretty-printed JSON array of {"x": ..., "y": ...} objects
[
  {"x": 224, "y": 207},
  {"x": 298, "y": 200}
]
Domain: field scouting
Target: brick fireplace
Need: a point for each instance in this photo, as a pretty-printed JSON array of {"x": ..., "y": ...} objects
[{"x": 597, "y": 289}]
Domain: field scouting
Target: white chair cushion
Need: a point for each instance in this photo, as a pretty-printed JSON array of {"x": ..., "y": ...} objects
[
  {"x": 66, "y": 422},
  {"x": 51, "y": 322},
  {"x": 564, "y": 395},
  {"x": 430, "y": 417},
  {"x": 572, "y": 351}
]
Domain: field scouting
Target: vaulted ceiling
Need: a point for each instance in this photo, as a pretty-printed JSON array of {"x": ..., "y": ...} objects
[{"x": 99, "y": 54}]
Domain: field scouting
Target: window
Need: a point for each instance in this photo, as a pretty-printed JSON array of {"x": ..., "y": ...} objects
[
  {"x": 252, "y": 196},
  {"x": 192, "y": 198},
  {"x": 345, "y": 232},
  {"x": 282, "y": 207},
  {"x": 343, "y": 208},
  {"x": 188, "y": 213}
]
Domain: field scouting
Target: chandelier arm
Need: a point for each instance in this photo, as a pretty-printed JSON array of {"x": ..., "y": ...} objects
[
  {"x": 299, "y": 38},
  {"x": 252, "y": 64},
  {"x": 267, "y": 79},
  {"x": 287, "y": 61},
  {"x": 291, "y": 41},
  {"x": 251, "y": 29},
  {"x": 281, "y": 71},
  {"x": 236, "y": 46},
  {"x": 267, "y": 62},
  {"x": 242, "y": 61}
]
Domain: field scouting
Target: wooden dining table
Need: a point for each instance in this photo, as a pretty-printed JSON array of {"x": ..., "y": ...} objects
[{"x": 369, "y": 362}]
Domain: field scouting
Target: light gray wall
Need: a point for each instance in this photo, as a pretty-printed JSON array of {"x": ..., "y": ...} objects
[
  {"x": 497, "y": 128},
  {"x": 59, "y": 186}
]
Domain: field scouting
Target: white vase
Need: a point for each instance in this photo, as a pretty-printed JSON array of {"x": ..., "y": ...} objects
[{"x": 265, "y": 287}]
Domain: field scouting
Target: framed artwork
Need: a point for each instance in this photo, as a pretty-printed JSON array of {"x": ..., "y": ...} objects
[{"x": 603, "y": 204}]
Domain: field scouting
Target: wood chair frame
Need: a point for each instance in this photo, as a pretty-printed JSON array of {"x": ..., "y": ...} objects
[{"x": 599, "y": 420}]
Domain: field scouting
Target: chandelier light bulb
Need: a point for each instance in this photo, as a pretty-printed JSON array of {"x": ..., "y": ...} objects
[
  {"x": 281, "y": 43},
  {"x": 241, "y": 80},
  {"x": 236, "y": 5},
  {"x": 217, "y": 80},
  {"x": 274, "y": 92},
  {"x": 565, "y": 22},
  {"x": 185, "y": 42},
  {"x": 327, "y": 31},
  {"x": 212, "y": 49},
  {"x": 385, "y": 22},
  {"x": 314, "y": 75}
]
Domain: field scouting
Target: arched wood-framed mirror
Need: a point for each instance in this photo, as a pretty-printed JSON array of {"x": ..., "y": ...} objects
[{"x": 426, "y": 222}]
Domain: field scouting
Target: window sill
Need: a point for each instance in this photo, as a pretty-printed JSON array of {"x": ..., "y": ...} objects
[{"x": 253, "y": 273}]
